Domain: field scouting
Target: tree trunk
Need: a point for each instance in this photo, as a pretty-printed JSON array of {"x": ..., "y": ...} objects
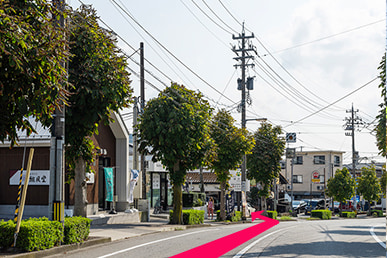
[
  {"x": 177, "y": 217},
  {"x": 80, "y": 196},
  {"x": 263, "y": 203},
  {"x": 222, "y": 201}
]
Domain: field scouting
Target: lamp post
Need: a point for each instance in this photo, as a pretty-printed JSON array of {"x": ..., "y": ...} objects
[{"x": 243, "y": 186}]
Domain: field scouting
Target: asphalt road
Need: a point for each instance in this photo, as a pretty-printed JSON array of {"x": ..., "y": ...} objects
[{"x": 333, "y": 238}]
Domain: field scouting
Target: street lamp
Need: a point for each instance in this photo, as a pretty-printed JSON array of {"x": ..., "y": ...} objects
[{"x": 243, "y": 186}]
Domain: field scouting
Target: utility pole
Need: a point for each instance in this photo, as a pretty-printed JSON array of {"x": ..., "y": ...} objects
[
  {"x": 350, "y": 126},
  {"x": 135, "y": 143},
  {"x": 244, "y": 58},
  {"x": 56, "y": 188},
  {"x": 142, "y": 106}
]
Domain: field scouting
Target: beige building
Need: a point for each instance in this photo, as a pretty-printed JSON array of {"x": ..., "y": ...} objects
[{"x": 311, "y": 171}]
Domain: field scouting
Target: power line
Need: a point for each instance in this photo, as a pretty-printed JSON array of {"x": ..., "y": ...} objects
[
  {"x": 352, "y": 92},
  {"x": 169, "y": 52},
  {"x": 217, "y": 24}
]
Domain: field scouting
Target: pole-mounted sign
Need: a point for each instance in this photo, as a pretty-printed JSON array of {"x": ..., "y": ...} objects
[{"x": 291, "y": 137}]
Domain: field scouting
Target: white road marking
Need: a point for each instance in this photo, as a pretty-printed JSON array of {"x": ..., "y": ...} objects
[
  {"x": 153, "y": 242},
  {"x": 243, "y": 251},
  {"x": 376, "y": 238}
]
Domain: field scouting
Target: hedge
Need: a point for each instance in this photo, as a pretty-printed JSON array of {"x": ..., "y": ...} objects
[
  {"x": 322, "y": 214},
  {"x": 348, "y": 214},
  {"x": 76, "y": 230},
  {"x": 40, "y": 233},
  {"x": 271, "y": 214},
  {"x": 190, "y": 217},
  {"x": 237, "y": 216},
  {"x": 376, "y": 213}
]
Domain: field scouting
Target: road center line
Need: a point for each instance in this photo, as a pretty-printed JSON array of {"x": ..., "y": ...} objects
[
  {"x": 377, "y": 238},
  {"x": 244, "y": 250},
  {"x": 153, "y": 242}
]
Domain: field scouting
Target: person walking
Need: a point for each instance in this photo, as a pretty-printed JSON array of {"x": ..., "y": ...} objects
[{"x": 211, "y": 208}]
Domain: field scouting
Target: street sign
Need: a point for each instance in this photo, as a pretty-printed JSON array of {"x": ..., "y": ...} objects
[
  {"x": 291, "y": 137},
  {"x": 290, "y": 153},
  {"x": 315, "y": 177}
]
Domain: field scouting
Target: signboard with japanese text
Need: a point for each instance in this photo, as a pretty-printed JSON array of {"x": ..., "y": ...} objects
[
  {"x": 236, "y": 181},
  {"x": 37, "y": 177}
]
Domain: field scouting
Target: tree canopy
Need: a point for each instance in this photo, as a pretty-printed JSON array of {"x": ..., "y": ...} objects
[
  {"x": 381, "y": 133},
  {"x": 32, "y": 79},
  {"x": 263, "y": 164},
  {"x": 368, "y": 184},
  {"x": 101, "y": 85},
  {"x": 231, "y": 144},
  {"x": 174, "y": 130},
  {"x": 341, "y": 187}
]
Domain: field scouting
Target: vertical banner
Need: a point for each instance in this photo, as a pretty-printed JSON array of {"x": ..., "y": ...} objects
[
  {"x": 109, "y": 184},
  {"x": 133, "y": 181},
  {"x": 230, "y": 203}
]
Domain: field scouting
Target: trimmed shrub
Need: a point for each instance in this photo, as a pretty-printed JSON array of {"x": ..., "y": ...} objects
[
  {"x": 376, "y": 213},
  {"x": 322, "y": 214},
  {"x": 7, "y": 229},
  {"x": 76, "y": 230},
  {"x": 236, "y": 217},
  {"x": 39, "y": 235},
  {"x": 271, "y": 214},
  {"x": 348, "y": 214},
  {"x": 190, "y": 217}
]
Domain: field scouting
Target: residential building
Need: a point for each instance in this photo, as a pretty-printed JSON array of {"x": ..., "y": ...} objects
[{"x": 311, "y": 171}]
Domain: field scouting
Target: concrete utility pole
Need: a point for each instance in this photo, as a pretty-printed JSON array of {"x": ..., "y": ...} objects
[
  {"x": 57, "y": 161},
  {"x": 350, "y": 126},
  {"x": 244, "y": 58},
  {"x": 142, "y": 106}
]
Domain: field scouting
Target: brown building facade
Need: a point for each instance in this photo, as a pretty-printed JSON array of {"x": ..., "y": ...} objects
[{"x": 113, "y": 140}]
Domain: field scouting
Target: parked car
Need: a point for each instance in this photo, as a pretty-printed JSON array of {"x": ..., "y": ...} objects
[
  {"x": 299, "y": 206},
  {"x": 314, "y": 205}
]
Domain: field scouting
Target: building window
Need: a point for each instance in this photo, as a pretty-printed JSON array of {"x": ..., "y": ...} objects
[
  {"x": 297, "y": 179},
  {"x": 336, "y": 161},
  {"x": 298, "y": 160},
  {"x": 319, "y": 160}
]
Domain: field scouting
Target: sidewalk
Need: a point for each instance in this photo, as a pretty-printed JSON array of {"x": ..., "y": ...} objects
[{"x": 157, "y": 223}]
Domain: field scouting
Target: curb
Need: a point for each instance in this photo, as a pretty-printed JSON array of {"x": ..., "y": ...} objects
[{"x": 61, "y": 249}]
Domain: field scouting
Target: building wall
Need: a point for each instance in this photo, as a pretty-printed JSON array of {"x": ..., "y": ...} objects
[
  {"x": 303, "y": 173},
  {"x": 11, "y": 159}
]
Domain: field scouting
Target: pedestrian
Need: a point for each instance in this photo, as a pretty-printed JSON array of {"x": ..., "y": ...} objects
[{"x": 211, "y": 208}]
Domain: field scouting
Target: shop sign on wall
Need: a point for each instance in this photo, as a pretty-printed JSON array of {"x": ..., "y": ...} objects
[{"x": 37, "y": 177}]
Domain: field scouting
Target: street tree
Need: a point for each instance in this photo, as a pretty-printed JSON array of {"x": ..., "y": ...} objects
[
  {"x": 368, "y": 184},
  {"x": 32, "y": 79},
  {"x": 383, "y": 181},
  {"x": 381, "y": 133},
  {"x": 231, "y": 144},
  {"x": 174, "y": 130},
  {"x": 101, "y": 85},
  {"x": 263, "y": 164},
  {"x": 341, "y": 187}
]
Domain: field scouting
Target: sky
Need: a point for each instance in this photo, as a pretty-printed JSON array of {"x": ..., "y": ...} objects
[{"x": 315, "y": 60}]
